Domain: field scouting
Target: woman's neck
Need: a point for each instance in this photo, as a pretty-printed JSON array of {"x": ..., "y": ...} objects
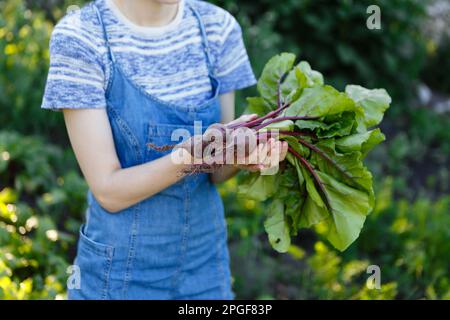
[{"x": 148, "y": 13}]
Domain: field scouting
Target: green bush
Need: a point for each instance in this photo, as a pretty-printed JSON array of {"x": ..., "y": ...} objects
[
  {"x": 24, "y": 39},
  {"x": 41, "y": 206},
  {"x": 435, "y": 73},
  {"x": 415, "y": 247},
  {"x": 408, "y": 241},
  {"x": 416, "y": 153}
]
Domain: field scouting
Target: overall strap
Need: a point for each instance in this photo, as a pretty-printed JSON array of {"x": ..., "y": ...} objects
[
  {"x": 204, "y": 38},
  {"x": 105, "y": 34}
]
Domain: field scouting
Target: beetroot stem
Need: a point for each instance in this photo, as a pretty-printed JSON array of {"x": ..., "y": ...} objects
[
  {"x": 277, "y": 111},
  {"x": 327, "y": 158},
  {"x": 258, "y": 121},
  {"x": 316, "y": 178}
]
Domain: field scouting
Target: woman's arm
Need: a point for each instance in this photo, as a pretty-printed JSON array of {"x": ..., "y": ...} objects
[{"x": 113, "y": 187}]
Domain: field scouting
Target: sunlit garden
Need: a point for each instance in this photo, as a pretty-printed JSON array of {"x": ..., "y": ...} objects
[{"x": 407, "y": 235}]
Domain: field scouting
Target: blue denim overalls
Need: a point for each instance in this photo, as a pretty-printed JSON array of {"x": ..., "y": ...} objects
[{"x": 173, "y": 244}]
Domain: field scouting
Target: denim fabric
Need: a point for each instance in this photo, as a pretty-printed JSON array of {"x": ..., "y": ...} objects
[{"x": 173, "y": 244}]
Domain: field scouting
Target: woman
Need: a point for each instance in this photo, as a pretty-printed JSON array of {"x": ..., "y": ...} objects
[{"x": 126, "y": 73}]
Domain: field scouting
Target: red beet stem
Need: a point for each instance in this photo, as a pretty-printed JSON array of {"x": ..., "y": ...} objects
[{"x": 316, "y": 178}]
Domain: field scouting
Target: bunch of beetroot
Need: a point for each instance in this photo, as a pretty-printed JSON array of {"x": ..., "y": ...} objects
[{"x": 323, "y": 180}]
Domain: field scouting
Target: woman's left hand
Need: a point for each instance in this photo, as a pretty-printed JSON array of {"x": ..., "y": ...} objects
[{"x": 266, "y": 155}]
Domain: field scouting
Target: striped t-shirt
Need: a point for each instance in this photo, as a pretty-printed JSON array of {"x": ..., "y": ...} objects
[{"x": 168, "y": 62}]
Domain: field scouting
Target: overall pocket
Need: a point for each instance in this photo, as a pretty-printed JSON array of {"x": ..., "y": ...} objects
[
  {"x": 160, "y": 135},
  {"x": 94, "y": 262},
  {"x": 163, "y": 135}
]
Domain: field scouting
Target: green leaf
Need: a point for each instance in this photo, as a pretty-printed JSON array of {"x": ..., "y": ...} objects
[
  {"x": 295, "y": 163},
  {"x": 293, "y": 207},
  {"x": 291, "y": 88},
  {"x": 307, "y": 77},
  {"x": 291, "y": 192},
  {"x": 259, "y": 187},
  {"x": 374, "y": 103},
  {"x": 312, "y": 213},
  {"x": 313, "y": 193},
  {"x": 347, "y": 168},
  {"x": 350, "y": 208},
  {"x": 288, "y": 180},
  {"x": 363, "y": 142},
  {"x": 299, "y": 78},
  {"x": 285, "y": 125},
  {"x": 313, "y": 125},
  {"x": 320, "y": 102},
  {"x": 294, "y": 144},
  {"x": 273, "y": 71},
  {"x": 331, "y": 126},
  {"x": 257, "y": 105},
  {"x": 277, "y": 227}
]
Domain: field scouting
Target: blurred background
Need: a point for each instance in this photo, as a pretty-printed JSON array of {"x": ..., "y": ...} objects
[{"x": 42, "y": 194}]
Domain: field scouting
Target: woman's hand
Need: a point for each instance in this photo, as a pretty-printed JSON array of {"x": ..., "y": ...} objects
[
  {"x": 252, "y": 153},
  {"x": 266, "y": 156}
]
